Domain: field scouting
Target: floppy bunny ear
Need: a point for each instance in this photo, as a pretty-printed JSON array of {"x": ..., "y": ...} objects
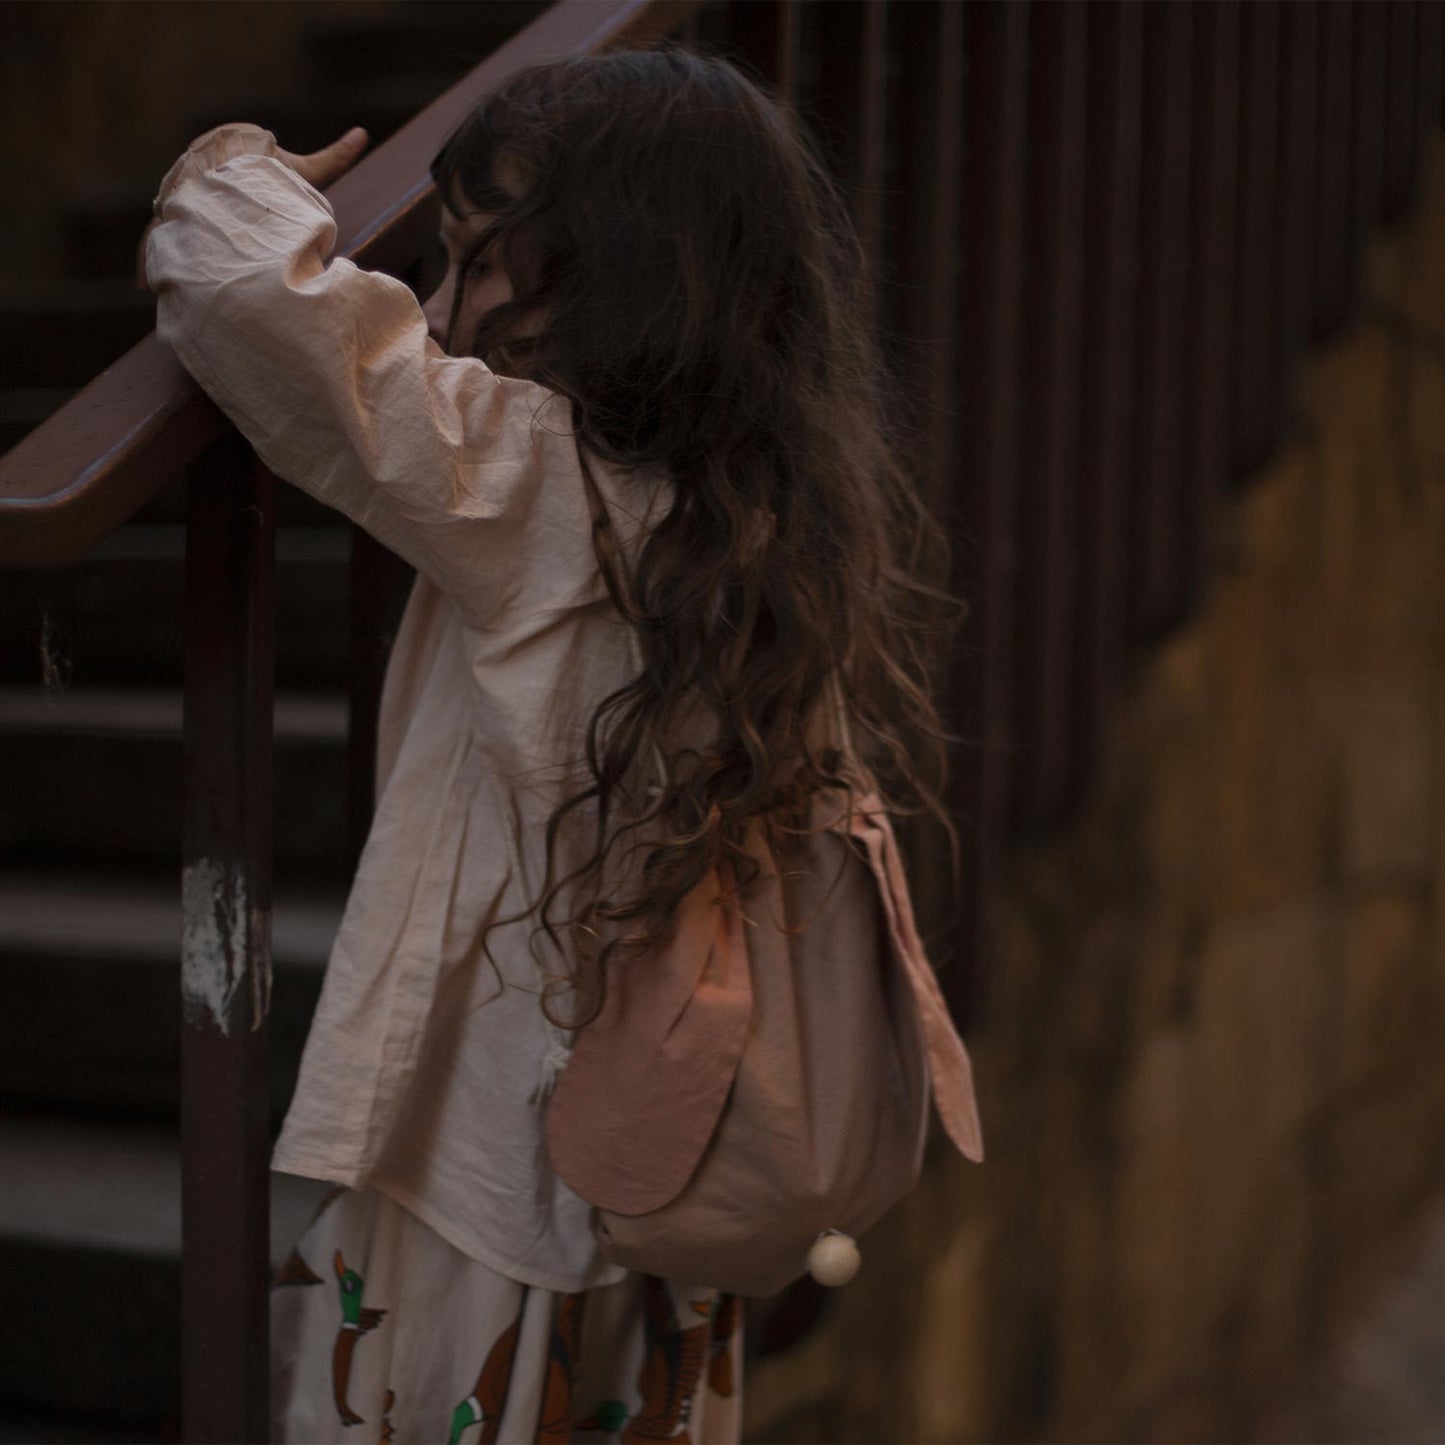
[
  {"x": 948, "y": 1062},
  {"x": 633, "y": 1111}
]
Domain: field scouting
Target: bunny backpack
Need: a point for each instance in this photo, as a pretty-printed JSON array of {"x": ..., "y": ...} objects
[{"x": 753, "y": 1096}]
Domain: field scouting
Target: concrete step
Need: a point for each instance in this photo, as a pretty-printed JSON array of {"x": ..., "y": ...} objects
[
  {"x": 103, "y": 227},
  {"x": 99, "y": 958},
  {"x": 293, "y": 508},
  {"x": 115, "y": 619},
  {"x": 95, "y": 774},
  {"x": 58, "y": 1428},
  {"x": 108, "y": 216},
  {"x": 90, "y": 1232},
  {"x": 65, "y": 333}
]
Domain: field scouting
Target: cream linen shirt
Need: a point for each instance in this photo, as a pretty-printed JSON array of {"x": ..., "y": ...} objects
[{"x": 424, "y": 1075}]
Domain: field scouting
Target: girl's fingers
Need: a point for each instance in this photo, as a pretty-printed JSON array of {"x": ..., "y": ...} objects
[
  {"x": 319, "y": 168},
  {"x": 322, "y": 167}
]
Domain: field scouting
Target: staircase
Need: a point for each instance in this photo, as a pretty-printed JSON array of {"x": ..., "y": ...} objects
[
  {"x": 1181, "y": 159},
  {"x": 90, "y": 800}
]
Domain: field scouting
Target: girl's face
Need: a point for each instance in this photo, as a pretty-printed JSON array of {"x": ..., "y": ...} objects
[{"x": 488, "y": 284}]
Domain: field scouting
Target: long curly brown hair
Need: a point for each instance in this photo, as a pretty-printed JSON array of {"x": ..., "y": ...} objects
[{"x": 707, "y": 310}]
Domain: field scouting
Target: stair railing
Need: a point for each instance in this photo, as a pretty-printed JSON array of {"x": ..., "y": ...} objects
[
  {"x": 69, "y": 484},
  {"x": 1109, "y": 227}
]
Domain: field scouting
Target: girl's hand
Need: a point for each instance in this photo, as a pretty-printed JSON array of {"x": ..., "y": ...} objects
[
  {"x": 319, "y": 169},
  {"x": 322, "y": 167}
]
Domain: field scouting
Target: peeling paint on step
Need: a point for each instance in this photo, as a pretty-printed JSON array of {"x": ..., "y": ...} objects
[{"x": 217, "y": 923}]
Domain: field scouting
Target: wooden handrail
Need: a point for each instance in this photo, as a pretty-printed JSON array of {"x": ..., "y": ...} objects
[{"x": 105, "y": 453}]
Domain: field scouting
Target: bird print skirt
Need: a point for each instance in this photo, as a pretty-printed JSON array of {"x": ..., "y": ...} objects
[{"x": 382, "y": 1331}]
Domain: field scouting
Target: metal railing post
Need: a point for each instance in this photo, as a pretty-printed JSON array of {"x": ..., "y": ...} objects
[{"x": 226, "y": 945}]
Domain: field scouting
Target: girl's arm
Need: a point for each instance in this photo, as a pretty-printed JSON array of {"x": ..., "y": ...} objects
[{"x": 329, "y": 372}]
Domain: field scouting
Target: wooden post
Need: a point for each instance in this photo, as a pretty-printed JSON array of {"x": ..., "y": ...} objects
[
  {"x": 765, "y": 33},
  {"x": 226, "y": 945}
]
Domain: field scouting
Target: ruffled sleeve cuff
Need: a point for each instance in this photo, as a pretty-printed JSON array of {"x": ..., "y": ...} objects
[{"x": 213, "y": 149}]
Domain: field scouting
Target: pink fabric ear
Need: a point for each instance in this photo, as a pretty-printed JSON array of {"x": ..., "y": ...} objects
[
  {"x": 948, "y": 1061},
  {"x": 626, "y": 1126}
]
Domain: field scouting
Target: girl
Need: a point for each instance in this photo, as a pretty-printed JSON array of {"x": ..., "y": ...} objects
[{"x": 633, "y": 448}]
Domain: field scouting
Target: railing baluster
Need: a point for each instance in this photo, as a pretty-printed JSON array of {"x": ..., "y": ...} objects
[
  {"x": 1257, "y": 361},
  {"x": 789, "y": 61},
  {"x": 989, "y": 350},
  {"x": 1045, "y": 586},
  {"x": 1164, "y": 253},
  {"x": 1299, "y": 162},
  {"x": 1372, "y": 53},
  {"x": 929, "y": 125},
  {"x": 1111, "y": 261},
  {"x": 921, "y": 240},
  {"x": 1401, "y": 59},
  {"x": 765, "y": 33},
  {"x": 1429, "y": 79},
  {"x": 226, "y": 945},
  {"x": 1336, "y": 242},
  {"x": 851, "y": 73},
  {"x": 1214, "y": 179},
  {"x": 872, "y": 139}
]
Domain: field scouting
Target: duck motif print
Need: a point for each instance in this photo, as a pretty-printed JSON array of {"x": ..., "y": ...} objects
[
  {"x": 356, "y": 1320},
  {"x": 489, "y": 1394},
  {"x": 720, "y": 1355},
  {"x": 609, "y": 1416},
  {"x": 562, "y": 1356},
  {"x": 295, "y": 1271},
  {"x": 676, "y": 1351}
]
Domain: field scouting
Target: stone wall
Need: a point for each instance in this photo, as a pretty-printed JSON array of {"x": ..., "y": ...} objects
[{"x": 1211, "y": 1080}]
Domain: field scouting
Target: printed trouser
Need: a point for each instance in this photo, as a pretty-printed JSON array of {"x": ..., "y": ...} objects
[{"x": 381, "y": 1331}]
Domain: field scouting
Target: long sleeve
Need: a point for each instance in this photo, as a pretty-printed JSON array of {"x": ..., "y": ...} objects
[{"x": 329, "y": 372}]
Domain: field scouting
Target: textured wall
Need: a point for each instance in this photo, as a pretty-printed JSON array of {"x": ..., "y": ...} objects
[{"x": 1211, "y": 1082}]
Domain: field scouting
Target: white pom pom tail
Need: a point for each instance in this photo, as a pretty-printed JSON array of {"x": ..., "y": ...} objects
[{"x": 834, "y": 1259}]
